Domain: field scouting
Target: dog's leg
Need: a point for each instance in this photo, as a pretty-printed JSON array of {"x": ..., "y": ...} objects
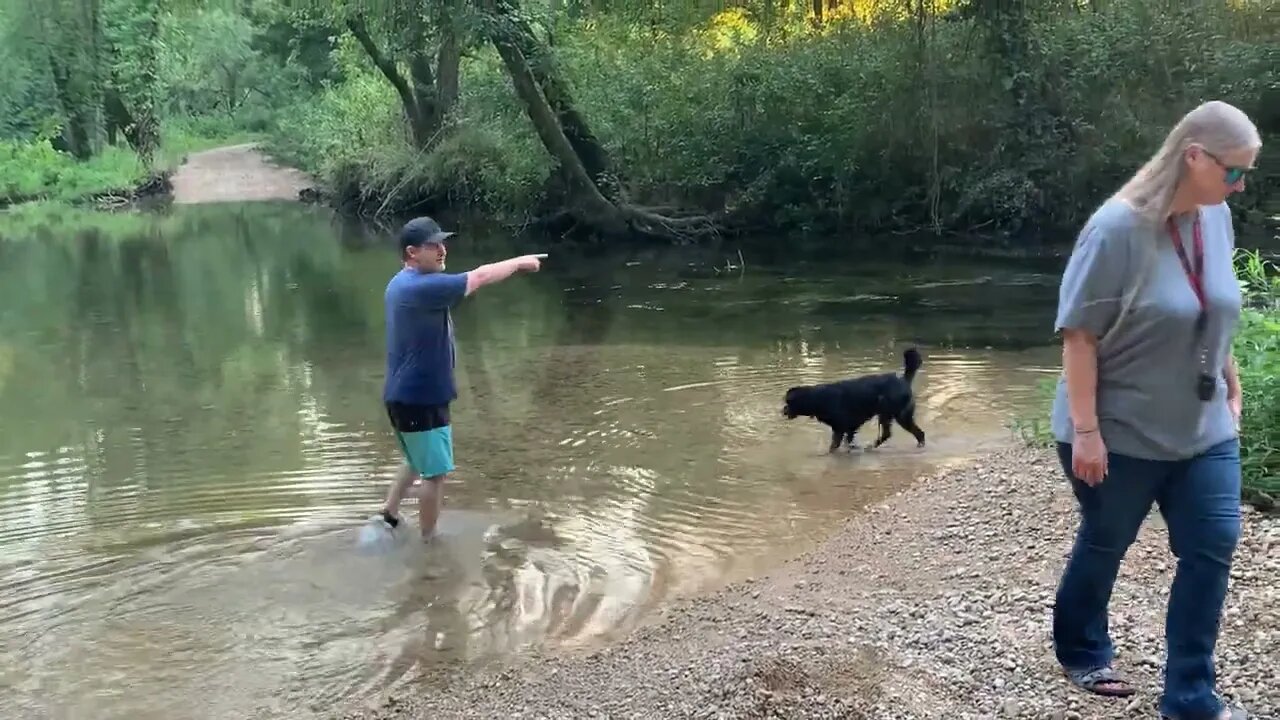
[
  {"x": 908, "y": 422},
  {"x": 886, "y": 422},
  {"x": 837, "y": 435},
  {"x": 849, "y": 439}
]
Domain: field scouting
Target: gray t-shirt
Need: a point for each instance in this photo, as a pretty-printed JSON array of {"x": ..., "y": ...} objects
[{"x": 1147, "y": 403}]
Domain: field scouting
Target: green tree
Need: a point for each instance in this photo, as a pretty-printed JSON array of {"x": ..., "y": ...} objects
[
  {"x": 416, "y": 46},
  {"x": 132, "y": 74},
  {"x": 593, "y": 200},
  {"x": 210, "y": 63},
  {"x": 102, "y": 59}
]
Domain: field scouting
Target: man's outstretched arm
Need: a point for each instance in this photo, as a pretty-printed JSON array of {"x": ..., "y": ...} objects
[{"x": 499, "y": 271}]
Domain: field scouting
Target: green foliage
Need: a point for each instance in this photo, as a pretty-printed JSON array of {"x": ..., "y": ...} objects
[
  {"x": 899, "y": 122},
  {"x": 129, "y": 87},
  {"x": 30, "y": 171},
  {"x": 132, "y": 31},
  {"x": 354, "y": 136},
  {"x": 27, "y": 103},
  {"x": 222, "y": 66},
  {"x": 210, "y": 66},
  {"x": 1257, "y": 353},
  {"x": 877, "y": 115}
]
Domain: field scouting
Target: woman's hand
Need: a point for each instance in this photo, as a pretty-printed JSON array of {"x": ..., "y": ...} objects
[
  {"x": 1236, "y": 403},
  {"x": 1089, "y": 457}
]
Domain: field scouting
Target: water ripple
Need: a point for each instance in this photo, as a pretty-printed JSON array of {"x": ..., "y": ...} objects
[{"x": 228, "y": 570}]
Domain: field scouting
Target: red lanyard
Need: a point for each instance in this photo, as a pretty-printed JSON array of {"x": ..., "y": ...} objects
[{"x": 1196, "y": 276}]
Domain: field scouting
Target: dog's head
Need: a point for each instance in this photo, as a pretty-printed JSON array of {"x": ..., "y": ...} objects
[{"x": 795, "y": 404}]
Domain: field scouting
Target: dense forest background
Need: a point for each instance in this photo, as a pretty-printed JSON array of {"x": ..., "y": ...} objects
[{"x": 659, "y": 118}]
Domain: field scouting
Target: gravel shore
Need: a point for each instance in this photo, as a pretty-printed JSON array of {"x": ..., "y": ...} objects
[{"x": 933, "y": 604}]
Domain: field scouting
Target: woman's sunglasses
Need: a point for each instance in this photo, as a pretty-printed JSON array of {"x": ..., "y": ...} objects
[{"x": 1233, "y": 174}]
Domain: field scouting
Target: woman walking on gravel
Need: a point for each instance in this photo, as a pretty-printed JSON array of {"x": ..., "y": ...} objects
[{"x": 1148, "y": 408}]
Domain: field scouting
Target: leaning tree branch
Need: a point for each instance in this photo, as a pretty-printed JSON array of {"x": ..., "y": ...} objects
[{"x": 588, "y": 203}]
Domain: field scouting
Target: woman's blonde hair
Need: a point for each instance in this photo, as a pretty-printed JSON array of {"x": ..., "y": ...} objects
[{"x": 1216, "y": 126}]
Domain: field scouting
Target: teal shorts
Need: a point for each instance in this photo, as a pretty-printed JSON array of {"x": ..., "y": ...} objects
[
  {"x": 425, "y": 437},
  {"x": 429, "y": 452}
]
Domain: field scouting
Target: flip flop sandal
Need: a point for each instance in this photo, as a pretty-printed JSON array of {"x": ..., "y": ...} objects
[{"x": 1102, "y": 681}]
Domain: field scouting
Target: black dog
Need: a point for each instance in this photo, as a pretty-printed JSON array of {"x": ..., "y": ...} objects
[{"x": 846, "y": 405}]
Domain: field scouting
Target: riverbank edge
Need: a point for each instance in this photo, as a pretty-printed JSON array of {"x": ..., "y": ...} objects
[
  {"x": 935, "y": 602},
  {"x": 155, "y": 188},
  {"x": 1028, "y": 242}
]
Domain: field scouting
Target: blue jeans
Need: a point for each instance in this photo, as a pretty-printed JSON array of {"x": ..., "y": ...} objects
[{"x": 1200, "y": 501}]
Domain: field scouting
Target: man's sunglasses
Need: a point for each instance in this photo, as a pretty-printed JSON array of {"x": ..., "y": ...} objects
[{"x": 1233, "y": 174}]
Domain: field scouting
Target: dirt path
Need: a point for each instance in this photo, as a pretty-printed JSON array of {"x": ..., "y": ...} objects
[
  {"x": 236, "y": 173},
  {"x": 934, "y": 604}
]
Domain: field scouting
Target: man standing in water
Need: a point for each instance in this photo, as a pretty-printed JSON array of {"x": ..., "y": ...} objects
[{"x": 420, "y": 360}]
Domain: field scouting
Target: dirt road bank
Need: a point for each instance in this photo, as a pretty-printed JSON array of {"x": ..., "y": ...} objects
[{"x": 236, "y": 173}]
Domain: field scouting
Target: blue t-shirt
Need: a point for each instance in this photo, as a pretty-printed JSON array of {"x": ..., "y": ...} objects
[{"x": 420, "y": 350}]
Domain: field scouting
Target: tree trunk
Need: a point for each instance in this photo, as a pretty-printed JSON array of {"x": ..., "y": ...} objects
[
  {"x": 448, "y": 70},
  {"x": 423, "y": 122},
  {"x": 587, "y": 203},
  {"x": 590, "y": 151},
  {"x": 594, "y": 208},
  {"x": 76, "y": 132},
  {"x": 117, "y": 115},
  {"x": 424, "y": 93},
  {"x": 145, "y": 137}
]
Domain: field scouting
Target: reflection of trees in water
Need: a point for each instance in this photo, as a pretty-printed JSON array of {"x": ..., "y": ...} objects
[
  {"x": 171, "y": 342},
  {"x": 218, "y": 343},
  {"x": 530, "y": 386}
]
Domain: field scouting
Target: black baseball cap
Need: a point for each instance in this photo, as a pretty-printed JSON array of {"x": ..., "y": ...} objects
[{"x": 422, "y": 231}]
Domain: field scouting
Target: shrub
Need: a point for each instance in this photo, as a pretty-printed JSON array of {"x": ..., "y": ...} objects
[
  {"x": 1257, "y": 352},
  {"x": 35, "y": 170}
]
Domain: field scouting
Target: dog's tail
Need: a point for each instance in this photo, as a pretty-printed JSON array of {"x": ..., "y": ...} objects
[{"x": 911, "y": 363}]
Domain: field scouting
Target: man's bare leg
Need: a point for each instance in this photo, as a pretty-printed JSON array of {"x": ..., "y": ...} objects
[
  {"x": 430, "y": 500},
  {"x": 399, "y": 488}
]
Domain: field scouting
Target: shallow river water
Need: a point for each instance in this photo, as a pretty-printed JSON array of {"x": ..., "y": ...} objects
[{"x": 192, "y": 438}]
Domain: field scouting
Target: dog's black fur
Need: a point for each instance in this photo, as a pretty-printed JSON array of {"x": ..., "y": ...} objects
[{"x": 846, "y": 405}]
